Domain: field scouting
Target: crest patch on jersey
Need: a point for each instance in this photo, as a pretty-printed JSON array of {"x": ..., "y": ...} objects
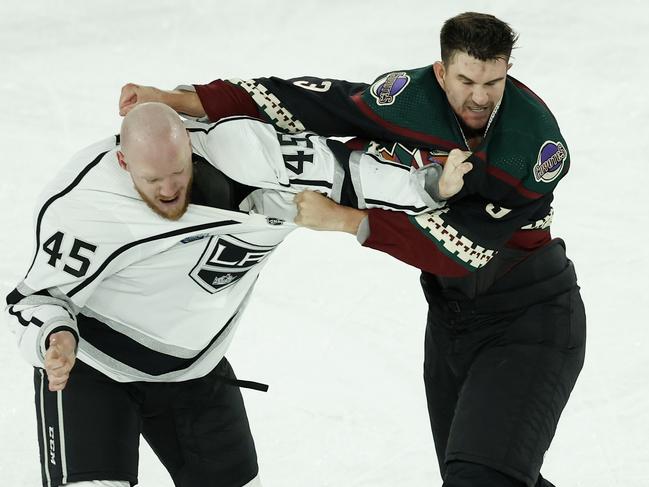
[
  {"x": 193, "y": 238},
  {"x": 274, "y": 221},
  {"x": 225, "y": 261},
  {"x": 550, "y": 161},
  {"x": 436, "y": 157},
  {"x": 386, "y": 89},
  {"x": 401, "y": 154}
]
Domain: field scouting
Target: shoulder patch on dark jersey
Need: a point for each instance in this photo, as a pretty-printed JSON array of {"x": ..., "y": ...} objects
[
  {"x": 386, "y": 89},
  {"x": 550, "y": 161}
]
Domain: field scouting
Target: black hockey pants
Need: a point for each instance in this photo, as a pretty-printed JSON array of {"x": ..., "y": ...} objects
[{"x": 499, "y": 370}]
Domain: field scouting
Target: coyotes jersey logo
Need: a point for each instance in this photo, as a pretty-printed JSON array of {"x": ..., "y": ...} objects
[{"x": 400, "y": 154}]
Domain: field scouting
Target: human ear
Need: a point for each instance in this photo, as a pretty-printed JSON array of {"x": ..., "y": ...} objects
[
  {"x": 440, "y": 72},
  {"x": 121, "y": 160}
]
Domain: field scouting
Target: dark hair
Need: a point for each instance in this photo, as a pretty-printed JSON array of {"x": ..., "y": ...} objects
[{"x": 481, "y": 36}]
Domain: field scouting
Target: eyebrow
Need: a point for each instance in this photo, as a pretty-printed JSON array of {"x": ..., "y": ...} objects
[
  {"x": 157, "y": 178},
  {"x": 461, "y": 76}
]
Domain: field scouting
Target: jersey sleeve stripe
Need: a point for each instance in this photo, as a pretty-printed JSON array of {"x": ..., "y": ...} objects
[
  {"x": 394, "y": 206},
  {"x": 22, "y": 320},
  {"x": 14, "y": 297},
  {"x": 512, "y": 181},
  {"x": 312, "y": 182},
  {"x": 394, "y": 234},
  {"x": 412, "y": 134}
]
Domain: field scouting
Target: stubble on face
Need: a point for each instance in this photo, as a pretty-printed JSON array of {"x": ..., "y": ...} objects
[
  {"x": 474, "y": 88},
  {"x": 177, "y": 211}
]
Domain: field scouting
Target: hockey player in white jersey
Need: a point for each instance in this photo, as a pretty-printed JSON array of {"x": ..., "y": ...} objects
[{"x": 126, "y": 313}]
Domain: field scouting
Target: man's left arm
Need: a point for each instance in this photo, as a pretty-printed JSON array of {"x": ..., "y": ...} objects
[
  {"x": 383, "y": 185},
  {"x": 252, "y": 153},
  {"x": 465, "y": 235}
]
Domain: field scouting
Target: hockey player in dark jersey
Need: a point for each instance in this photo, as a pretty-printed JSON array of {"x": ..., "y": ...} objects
[{"x": 505, "y": 335}]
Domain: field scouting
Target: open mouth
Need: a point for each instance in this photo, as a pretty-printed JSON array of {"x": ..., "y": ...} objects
[{"x": 169, "y": 201}]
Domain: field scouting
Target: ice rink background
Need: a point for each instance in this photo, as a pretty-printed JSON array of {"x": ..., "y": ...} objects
[{"x": 337, "y": 330}]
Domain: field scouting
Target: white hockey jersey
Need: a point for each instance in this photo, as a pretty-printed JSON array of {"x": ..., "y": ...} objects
[{"x": 157, "y": 300}]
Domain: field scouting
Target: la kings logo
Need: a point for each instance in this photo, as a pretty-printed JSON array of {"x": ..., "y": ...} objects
[{"x": 225, "y": 261}]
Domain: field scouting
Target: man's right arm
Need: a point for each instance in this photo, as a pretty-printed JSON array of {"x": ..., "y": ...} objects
[
  {"x": 34, "y": 317},
  {"x": 47, "y": 334},
  {"x": 73, "y": 240},
  {"x": 42, "y": 308},
  {"x": 323, "y": 106},
  {"x": 183, "y": 101},
  {"x": 42, "y": 311}
]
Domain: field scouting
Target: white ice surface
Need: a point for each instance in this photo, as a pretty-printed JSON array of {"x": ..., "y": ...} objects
[{"x": 337, "y": 330}]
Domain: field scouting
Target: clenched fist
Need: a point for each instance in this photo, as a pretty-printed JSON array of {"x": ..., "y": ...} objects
[
  {"x": 133, "y": 95},
  {"x": 186, "y": 102},
  {"x": 316, "y": 211},
  {"x": 59, "y": 359}
]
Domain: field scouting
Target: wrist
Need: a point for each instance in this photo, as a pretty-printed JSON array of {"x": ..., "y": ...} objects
[
  {"x": 351, "y": 220},
  {"x": 442, "y": 193},
  {"x": 186, "y": 102},
  {"x": 68, "y": 332}
]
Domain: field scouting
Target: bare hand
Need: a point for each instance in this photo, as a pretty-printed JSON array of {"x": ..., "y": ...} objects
[
  {"x": 186, "y": 102},
  {"x": 133, "y": 95},
  {"x": 452, "y": 178},
  {"x": 318, "y": 212},
  {"x": 59, "y": 359}
]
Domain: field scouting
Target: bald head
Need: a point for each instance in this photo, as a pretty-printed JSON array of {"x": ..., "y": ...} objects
[
  {"x": 152, "y": 131},
  {"x": 156, "y": 151}
]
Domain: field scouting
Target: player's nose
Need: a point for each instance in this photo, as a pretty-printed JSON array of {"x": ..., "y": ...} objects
[
  {"x": 168, "y": 188},
  {"x": 480, "y": 96}
]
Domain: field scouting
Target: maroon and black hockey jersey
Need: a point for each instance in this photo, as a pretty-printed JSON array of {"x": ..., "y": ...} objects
[{"x": 504, "y": 210}]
